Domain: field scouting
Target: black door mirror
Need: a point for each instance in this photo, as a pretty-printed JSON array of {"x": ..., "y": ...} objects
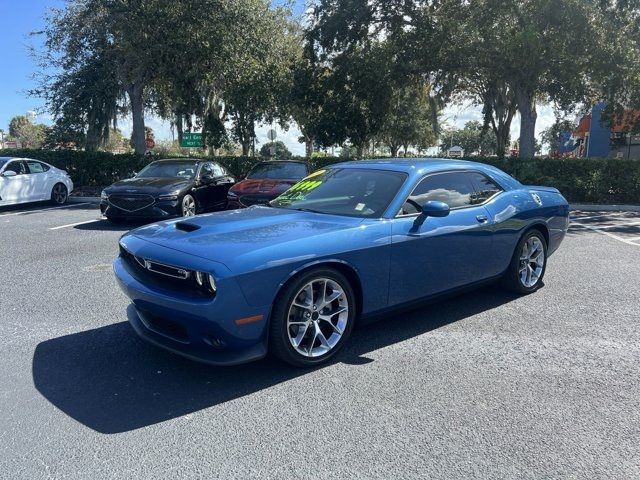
[
  {"x": 207, "y": 178},
  {"x": 434, "y": 208}
]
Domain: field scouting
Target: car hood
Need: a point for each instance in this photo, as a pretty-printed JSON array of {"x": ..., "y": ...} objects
[
  {"x": 262, "y": 185},
  {"x": 149, "y": 185},
  {"x": 255, "y": 236}
]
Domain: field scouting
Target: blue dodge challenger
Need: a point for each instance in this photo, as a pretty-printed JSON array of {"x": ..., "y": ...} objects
[{"x": 347, "y": 242}]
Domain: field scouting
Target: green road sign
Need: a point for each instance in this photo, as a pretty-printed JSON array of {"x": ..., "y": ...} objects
[{"x": 191, "y": 140}]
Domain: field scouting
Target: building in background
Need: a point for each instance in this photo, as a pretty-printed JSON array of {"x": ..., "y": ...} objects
[
  {"x": 595, "y": 137},
  {"x": 455, "y": 152}
]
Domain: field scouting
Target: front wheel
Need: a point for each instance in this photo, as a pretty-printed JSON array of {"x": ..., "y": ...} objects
[
  {"x": 312, "y": 318},
  {"x": 59, "y": 194},
  {"x": 528, "y": 264},
  {"x": 188, "y": 206}
]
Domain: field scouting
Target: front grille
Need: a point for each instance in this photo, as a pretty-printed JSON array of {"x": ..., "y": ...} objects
[
  {"x": 131, "y": 202},
  {"x": 164, "y": 276},
  {"x": 248, "y": 200}
]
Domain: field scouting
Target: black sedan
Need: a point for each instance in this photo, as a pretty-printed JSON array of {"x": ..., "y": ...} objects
[{"x": 166, "y": 188}]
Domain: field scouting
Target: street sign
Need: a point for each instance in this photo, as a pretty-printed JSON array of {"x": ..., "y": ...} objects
[
  {"x": 271, "y": 134},
  {"x": 191, "y": 140}
]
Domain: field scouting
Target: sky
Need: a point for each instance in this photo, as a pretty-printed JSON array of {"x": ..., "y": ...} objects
[{"x": 20, "y": 17}]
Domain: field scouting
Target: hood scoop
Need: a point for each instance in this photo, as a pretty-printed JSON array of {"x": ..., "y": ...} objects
[{"x": 187, "y": 227}]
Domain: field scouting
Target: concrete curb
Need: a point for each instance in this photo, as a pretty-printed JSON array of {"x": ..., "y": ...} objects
[
  {"x": 604, "y": 208},
  {"x": 83, "y": 199}
]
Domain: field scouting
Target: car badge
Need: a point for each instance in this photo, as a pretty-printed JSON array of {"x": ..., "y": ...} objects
[{"x": 536, "y": 198}]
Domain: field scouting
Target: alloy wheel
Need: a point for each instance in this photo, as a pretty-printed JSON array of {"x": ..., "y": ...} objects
[
  {"x": 317, "y": 317},
  {"x": 59, "y": 193},
  {"x": 532, "y": 260},
  {"x": 188, "y": 206}
]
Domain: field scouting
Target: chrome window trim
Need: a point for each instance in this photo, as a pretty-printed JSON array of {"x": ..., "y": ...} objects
[{"x": 467, "y": 170}]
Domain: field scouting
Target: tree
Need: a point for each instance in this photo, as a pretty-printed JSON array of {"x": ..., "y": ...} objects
[
  {"x": 281, "y": 150},
  {"x": 551, "y": 135},
  {"x": 30, "y": 135},
  {"x": 411, "y": 119},
  {"x": 473, "y": 138}
]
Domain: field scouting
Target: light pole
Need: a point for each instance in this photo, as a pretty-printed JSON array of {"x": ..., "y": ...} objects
[{"x": 1, "y": 138}]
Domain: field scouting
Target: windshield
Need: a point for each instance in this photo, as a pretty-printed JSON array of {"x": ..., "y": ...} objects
[
  {"x": 169, "y": 169},
  {"x": 275, "y": 170},
  {"x": 344, "y": 191}
]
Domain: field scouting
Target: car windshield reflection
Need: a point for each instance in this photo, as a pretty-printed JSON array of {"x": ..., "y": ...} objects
[{"x": 351, "y": 192}]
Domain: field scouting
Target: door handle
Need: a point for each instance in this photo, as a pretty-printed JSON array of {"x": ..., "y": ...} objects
[{"x": 482, "y": 218}]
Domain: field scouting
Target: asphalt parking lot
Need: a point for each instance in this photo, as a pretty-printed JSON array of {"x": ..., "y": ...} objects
[{"x": 484, "y": 385}]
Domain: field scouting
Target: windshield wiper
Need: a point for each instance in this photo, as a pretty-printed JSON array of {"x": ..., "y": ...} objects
[{"x": 302, "y": 209}]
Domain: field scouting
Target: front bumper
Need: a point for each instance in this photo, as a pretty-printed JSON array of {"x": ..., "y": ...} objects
[
  {"x": 159, "y": 210},
  {"x": 206, "y": 329}
]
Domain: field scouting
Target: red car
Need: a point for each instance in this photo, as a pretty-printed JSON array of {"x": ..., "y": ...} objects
[{"x": 266, "y": 181}]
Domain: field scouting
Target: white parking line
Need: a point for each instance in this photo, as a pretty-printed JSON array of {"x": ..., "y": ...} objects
[
  {"x": 603, "y": 227},
  {"x": 609, "y": 214},
  {"x": 25, "y": 212},
  {"x": 76, "y": 224},
  {"x": 608, "y": 234}
]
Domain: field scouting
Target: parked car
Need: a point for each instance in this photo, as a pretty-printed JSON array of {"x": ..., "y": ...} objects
[
  {"x": 266, "y": 181},
  {"x": 25, "y": 180},
  {"x": 166, "y": 188},
  {"x": 351, "y": 241}
]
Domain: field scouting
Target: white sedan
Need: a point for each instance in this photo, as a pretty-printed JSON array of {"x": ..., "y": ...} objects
[{"x": 25, "y": 180}]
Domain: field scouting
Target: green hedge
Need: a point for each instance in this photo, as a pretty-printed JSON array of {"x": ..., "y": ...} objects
[{"x": 608, "y": 181}]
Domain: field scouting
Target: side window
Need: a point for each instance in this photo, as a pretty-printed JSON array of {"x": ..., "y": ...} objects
[
  {"x": 18, "y": 167},
  {"x": 207, "y": 169},
  {"x": 485, "y": 188},
  {"x": 36, "y": 167},
  {"x": 218, "y": 171},
  {"x": 455, "y": 189}
]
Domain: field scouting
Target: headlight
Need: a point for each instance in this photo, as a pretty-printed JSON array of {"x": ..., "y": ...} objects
[
  {"x": 171, "y": 196},
  {"x": 212, "y": 283},
  {"x": 104, "y": 195},
  {"x": 206, "y": 282}
]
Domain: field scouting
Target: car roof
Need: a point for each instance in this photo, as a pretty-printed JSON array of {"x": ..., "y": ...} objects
[
  {"x": 410, "y": 165},
  {"x": 185, "y": 160},
  {"x": 282, "y": 161},
  {"x": 418, "y": 167}
]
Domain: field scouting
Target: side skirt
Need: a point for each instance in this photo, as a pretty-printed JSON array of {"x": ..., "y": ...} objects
[{"x": 378, "y": 315}]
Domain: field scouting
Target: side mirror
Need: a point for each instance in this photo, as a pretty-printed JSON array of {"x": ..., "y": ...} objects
[
  {"x": 207, "y": 178},
  {"x": 434, "y": 208},
  {"x": 9, "y": 173}
]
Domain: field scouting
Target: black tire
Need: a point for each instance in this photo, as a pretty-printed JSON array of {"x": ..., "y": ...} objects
[
  {"x": 182, "y": 207},
  {"x": 280, "y": 343},
  {"x": 59, "y": 194},
  {"x": 513, "y": 277}
]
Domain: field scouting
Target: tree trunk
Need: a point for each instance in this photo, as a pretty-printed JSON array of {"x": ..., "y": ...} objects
[
  {"x": 393, "y": 149},
  {"x": 179, "y": 127},
  {"x": 528, "y": 117},
  {"x": 245, "y": 148},
  {"x": 308, "y": 145},
  {"x": 137, "y": 111}
]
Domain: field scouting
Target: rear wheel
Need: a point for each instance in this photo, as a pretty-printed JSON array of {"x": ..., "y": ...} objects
[
  {"x": 528, "y": 264},
  {"x": 59, "y": 194},
  {"x": 312, "y": 318}
]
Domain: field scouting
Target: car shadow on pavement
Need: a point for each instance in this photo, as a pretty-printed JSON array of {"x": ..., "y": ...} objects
[
  {"x": 104, "y": 225},
  {"x": 112, "y": 382}
]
